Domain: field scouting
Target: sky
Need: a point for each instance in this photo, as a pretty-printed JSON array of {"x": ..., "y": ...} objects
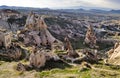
[{"x": 63, "y": 4}]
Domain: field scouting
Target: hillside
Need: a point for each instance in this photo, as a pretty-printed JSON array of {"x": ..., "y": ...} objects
[{"x": 46, "y": 43}]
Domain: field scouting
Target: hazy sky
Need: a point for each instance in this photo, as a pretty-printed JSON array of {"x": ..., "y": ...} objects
[{"x": 113, "y": 4}]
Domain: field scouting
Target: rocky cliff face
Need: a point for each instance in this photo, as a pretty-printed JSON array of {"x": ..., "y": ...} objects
[{"x": 114, "y": 55}]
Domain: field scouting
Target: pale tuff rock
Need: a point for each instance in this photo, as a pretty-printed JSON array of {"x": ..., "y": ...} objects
[
  {"x": 5, "y": 38},
  {"x": 90, "y": 37},
  {"x": 46, "y": 37},
  {"x": 69, "y": 48},
  {"x": 36, "y": 32},
  {"x": 37, "y": 39},
  {"x": 68, "y": 45},
  {"x": 114, "y": 55},
  {"x": 30, "y": 22},
  {"x": 37, "y": 59},
  {"x": 41, "y": 24},
  {"x": 50, "y": 38}
]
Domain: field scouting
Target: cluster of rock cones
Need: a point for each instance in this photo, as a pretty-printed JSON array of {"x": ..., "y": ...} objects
[{"x": 36, "y": 35}]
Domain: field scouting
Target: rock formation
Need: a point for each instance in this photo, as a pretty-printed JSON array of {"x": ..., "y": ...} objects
[
  {"x": 5, "y": 38},
  {"x": 14, "y": 52},
  {"x": 69, "y": 49},
  {"x": 46, "y": 37},
  {"x": 114, "y": 55},
  {"x": 90, "y": 56},
  {"x": 37, "y": 59},
  {"x": 30, "y": 22},
  {"x": 37, "y": 35},
  {"x": 36, "y": 32},
  {"x": 90, "y": 37}
]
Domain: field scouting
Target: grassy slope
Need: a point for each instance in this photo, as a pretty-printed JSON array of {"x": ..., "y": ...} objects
[{"x": 7, "y": 70}]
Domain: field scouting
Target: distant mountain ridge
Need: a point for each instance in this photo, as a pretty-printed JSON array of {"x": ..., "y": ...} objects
[
  {"x": 65, "y": 10},
  {"x": 19, "y": 7},
  {"x": 115, "y": 11}
]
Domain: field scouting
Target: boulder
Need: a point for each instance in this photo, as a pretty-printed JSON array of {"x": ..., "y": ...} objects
[{"x": 37, "y": 59}]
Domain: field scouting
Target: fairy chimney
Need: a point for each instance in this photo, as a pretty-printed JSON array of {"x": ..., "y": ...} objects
[
  {"x": 36, "y": 32},
  {"x": 90, "y": 37},
  {"x": 69, "y": 48},
  {"x": 46, "y": 36}
]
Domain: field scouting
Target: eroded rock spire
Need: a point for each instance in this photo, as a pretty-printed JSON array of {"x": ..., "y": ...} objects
[{"x": 90, "y": 38}]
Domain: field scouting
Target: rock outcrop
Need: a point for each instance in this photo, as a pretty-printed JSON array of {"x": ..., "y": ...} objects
[
  {"x": 37, "y": 35},
  {"x": 71, "y": 52},
  {"x": 90, "y": 38},
  {"x": 14, "y": 52},
  {"x": 5, "y": 38},
  {"x": 30, "y": 21},
  {"x": 37, "y": 59},
  {"x": 36, "y": 32},
  {"x": 114, "y": 55}
]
